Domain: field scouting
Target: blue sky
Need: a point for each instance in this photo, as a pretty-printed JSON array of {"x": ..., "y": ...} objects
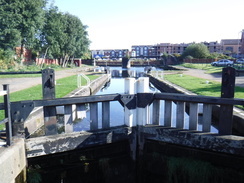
[{"x": 119, "y": 24}]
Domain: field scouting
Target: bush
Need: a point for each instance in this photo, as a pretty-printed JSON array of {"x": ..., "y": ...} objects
[{"x": 189, "y": 57}]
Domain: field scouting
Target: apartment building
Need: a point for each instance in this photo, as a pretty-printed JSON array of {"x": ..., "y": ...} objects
[
  {"x": 144, "y": 51},
  {"x": 171, "y": 48},
  {"x": 213, "y": 46},
  {"x": 230, "y": 46},
  {"x": 226, "y": 46},
  {"x": 113, "y": 53},
  {"x": 233, "y": 47}
]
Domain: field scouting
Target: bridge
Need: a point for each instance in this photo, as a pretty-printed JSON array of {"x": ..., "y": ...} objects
[{"x": 139, "y": 129}]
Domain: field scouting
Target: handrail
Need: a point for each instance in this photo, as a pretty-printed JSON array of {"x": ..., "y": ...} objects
[
  {"x": 21, "y": 72},
  {"x": 4, "y": 121},
  {"x": 88, "y": 81},
  {"x": 156, "y": 96},
  {"x": 7, "y": 108}
]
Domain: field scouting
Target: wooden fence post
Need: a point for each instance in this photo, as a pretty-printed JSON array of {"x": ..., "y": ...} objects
[
  {"x": 48, "y": 92},
  {"x": 227, "y": 91}
]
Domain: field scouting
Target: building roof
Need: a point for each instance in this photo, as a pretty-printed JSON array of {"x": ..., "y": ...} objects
[{"x": 230, "y": 41}]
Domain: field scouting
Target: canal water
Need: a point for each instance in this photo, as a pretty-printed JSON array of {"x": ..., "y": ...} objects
[{"x": 116, "y": 85}]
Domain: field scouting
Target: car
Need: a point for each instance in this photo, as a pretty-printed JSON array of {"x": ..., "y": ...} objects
[
  {"x": 240, "y": 61},
  {"x": 222, "y": 62}
]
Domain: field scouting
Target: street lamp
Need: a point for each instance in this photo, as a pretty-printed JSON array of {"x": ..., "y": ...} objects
[{"x": 238, "y": 41}]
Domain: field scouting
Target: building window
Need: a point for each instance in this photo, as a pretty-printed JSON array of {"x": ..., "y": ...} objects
[{"x": 229, "y": 49}]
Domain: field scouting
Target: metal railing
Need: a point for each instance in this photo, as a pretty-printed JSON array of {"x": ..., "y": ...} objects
[{"x": 7, "y": 114}]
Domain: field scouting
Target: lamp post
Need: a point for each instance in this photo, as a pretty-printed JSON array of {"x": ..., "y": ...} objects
[{"x": 238, "y": 43}]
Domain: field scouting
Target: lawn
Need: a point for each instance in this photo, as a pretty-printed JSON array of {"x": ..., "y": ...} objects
[
  {"x": 208, "y": 67},
  {"x": 200, "y": 86}
]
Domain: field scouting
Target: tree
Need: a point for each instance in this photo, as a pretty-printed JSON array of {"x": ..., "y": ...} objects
[
  {"x": 10, "y": 36},
  {"x": 165, "y": 58},
  {"x": 20, "y": 22},
  {"x": 64, "y": 36},
  {"x": 76, "y": 41},
  {"x": 196, "y": 50}
]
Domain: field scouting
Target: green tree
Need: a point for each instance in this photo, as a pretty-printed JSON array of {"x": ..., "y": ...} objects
[
  {"x": 52, "y": 36},
  {"x": 64, "y": 36},
  {"x": 20, "y": 22},
  {"x": 196, "y": 50},
  {"x": 76, "y": 40},
  {"x": 164, "y": 57},
  {"x": 10, "y": 36}
]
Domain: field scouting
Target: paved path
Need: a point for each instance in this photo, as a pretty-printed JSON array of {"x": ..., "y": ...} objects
[
  {"x": 211, "y": 77},
  {"x": 16, "y": 84}
]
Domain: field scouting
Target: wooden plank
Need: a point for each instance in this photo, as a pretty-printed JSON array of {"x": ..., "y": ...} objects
[
  {"x": 48, "y": 84},
  {"x": 168, "y": 113},
  {"x": 50, "y": 120},
  {"x": 193, "y": 117},
  {"x": 157, "y": 96},
  {"x": 197, "y": 99},
  {"x": 225, "y": 119},
  {"x": 228, "y": 82},
  {"x": 77, "y": 100},
  {"x": 227, "y": 91},
  {"x": 105, "y": 115},
  {"x": 80, "y": 111},
  {"x": 93, "y": 116},
  {"x": 180, "y": 115},
  {"x": 156, "y": 112},
  {"x": 8, "y": 125},
  {"x": 68, "y": 116},
  {"x": 207, "y": 117}
]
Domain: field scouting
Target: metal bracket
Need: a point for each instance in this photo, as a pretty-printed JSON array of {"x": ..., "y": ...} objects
[
  {"x": 128, "y": 101},
  {"x": 21, "y": 110},
  {"x": 144, "y": 99}
]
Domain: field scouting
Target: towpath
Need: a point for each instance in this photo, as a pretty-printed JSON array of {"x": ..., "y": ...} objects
[{"x": 17, "y": 84}]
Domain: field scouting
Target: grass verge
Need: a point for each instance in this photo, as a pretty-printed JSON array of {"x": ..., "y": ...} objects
[
  {"x": 208, "y": 67},
  {"x": 200, "y": 86}
]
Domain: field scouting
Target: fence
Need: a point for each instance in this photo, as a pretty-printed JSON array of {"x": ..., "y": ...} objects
[{"x": 132, "y": 102}]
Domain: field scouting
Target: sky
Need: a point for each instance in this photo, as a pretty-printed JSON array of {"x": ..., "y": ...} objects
[{"x": 119, "y": 24}]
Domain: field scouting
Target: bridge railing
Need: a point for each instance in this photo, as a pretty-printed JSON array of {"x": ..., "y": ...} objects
[
  {"x": 7, "y": 115},
  {"x": 132, "y": 103}
]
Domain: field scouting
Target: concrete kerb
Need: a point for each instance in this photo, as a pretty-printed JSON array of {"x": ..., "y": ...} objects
[{"x": 12, "y": 161}]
